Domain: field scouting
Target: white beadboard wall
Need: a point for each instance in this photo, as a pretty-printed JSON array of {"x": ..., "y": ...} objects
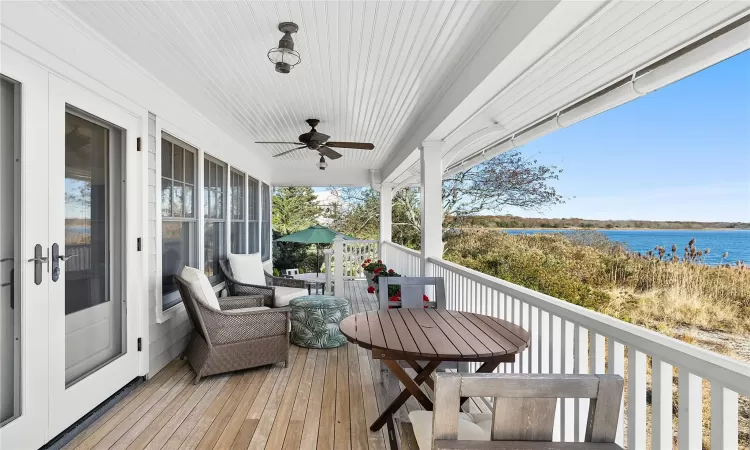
[{"x": 167, "y": 339}]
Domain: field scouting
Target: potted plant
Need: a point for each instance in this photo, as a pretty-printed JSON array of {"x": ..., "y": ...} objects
[
  {"x": 374, "y": 287},
  {"x": 372, "y": 268}
]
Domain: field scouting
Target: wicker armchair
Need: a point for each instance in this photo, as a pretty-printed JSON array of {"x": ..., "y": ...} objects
[
  {"x": 228, "y": 340},
  {"x": 241, "y": 289}
]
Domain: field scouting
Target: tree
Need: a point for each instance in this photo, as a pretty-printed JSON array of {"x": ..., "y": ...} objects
[
  {"x": 508, "y": 179},
  {"x": 294, "y": 209}
]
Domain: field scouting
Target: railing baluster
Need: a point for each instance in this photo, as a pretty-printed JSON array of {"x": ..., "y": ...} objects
[
  {"x": 616, "y": 366},
  {"x": 568, "y": 416},
  {"x": 544, "y": 337},
  {"x": 661, "y": 404},
  {"x": 724, "y": 413},
  {"x": 689, "y": 413},
  {"x": 555, "y": 358},
  {"x": 636, "y": 399},
  {"x": 581, "y": 366},
  {"x": 532, "y": 350}
]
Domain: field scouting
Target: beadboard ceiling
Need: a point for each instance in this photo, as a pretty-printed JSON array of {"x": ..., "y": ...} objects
[{"x": 369, "y": 69}]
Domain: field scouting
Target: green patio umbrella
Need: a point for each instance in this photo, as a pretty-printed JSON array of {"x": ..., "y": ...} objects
[{"x": 316, "y": 234}]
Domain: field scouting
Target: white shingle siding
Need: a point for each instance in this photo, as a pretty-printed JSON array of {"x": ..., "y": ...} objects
[{"x": 167, "y": 340}]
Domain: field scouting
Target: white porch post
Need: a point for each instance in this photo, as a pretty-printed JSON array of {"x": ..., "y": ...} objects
[
  {"x": 431, "y": 155},
  {"x": 386, "y": 217},
  {"x": 338, "y": 264}
]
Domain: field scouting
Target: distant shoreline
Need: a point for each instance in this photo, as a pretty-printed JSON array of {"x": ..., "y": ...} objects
[
  {"x": 523, "y": 223},
  {"x": 611, "y": 229}
]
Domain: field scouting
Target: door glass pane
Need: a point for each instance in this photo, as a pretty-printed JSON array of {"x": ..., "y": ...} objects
[
  {"x": 10, "y": 309},
  {"x": 93, "y": 307}
]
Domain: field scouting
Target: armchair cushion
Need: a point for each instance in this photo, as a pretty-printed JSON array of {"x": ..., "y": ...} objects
[
  {"x": 248, "y": 269},
  {"x": 471, "y": 427},
  {"x": 252, "y": 308},
  {"x": 283, "y": 295},
  {"x": 202, "y": 288}
]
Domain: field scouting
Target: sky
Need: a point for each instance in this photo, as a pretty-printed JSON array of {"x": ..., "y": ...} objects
[{"x": 679, "y": 153}]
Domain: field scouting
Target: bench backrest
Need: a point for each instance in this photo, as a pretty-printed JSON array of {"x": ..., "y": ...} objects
[{"x": 524, "y": 405}]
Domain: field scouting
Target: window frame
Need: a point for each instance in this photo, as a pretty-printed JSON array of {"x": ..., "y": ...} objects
[
  {"x": 173, "y": 299},
  {"x": 209, "y": 161},
  {"x": 265, "y": 222},
  {"x": 253, "y": 215},
  {"x": 238, "y": 200}
]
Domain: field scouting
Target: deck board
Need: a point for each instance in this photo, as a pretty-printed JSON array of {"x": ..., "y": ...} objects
[{"x": 325, "y": 399}]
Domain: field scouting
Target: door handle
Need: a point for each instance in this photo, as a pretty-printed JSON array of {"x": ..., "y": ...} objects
[
  {"x": 11, "y": 283},
  {"x": 56, "y": 257},
  {"x": 38, "y": 260},
  {"x": 65, "y": 258}
]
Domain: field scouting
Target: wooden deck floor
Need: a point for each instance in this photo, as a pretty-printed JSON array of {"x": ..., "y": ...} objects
[{"x": 325, "y": 399}]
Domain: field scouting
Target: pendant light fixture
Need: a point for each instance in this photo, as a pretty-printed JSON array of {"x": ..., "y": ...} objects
[
  {"x": 322, "y": 164},
  {"x": 284, "y": 56}
]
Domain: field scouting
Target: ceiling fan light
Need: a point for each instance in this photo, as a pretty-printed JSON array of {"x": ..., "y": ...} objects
[
  {"x": 322, "y": 164},
  {"x": 284, "y": 56}
]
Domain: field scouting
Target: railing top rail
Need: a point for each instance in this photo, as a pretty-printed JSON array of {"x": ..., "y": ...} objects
[
  {"x": 731, "y": 373},
  {"x": 360, "y": 241},
  {"x": 403, "y": 249}
]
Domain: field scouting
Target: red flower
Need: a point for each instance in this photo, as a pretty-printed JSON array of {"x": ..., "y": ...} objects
[
  {"x": 380, "y": 262},
  {"x": 395, "y": 299},
  {"x": 371, "y": 289},
  {"x": 364, "y": 265},
  {"x": 377, "y": 270},
  {"x": 426, "y": 298},
  {"x": 391, "y": 271},
  {"x": 367, "y": 260}
]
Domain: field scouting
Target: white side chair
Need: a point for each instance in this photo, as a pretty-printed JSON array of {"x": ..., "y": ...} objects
[{"x": 292, "y": 272}]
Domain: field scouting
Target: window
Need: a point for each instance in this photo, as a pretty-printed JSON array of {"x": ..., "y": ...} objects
[
  {"x": 214, "y": 233},
  {"x": 265, "y": 239},
  {"x": 178, "y": 214},
  {"x": 237, "y": 214},
  {"x": 253, "y": 216}
]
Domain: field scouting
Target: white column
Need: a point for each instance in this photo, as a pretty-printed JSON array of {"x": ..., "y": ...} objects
[
  {"x": 431, "y": 155},
  {"x": 338, "y": 265},
  {"x": 386, "y": 217}
]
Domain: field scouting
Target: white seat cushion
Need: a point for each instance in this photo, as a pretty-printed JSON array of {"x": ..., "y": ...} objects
[
  {"x": 252, "y": 308},
  {"x": 248, "y": 269},
  {"x": 283, "y": 295},
  {"x": 198, "y": 281},
  {"x": 471, "y": 427}
]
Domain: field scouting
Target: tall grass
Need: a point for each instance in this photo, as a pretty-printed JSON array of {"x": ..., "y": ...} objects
[{"x": 660, "y": 289}]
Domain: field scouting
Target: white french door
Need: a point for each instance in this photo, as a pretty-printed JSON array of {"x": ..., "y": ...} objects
[
  {"x": 93, "y": 325},
  {"x": 68, "y": 322}
]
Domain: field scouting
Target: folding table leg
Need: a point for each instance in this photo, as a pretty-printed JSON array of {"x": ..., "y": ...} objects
[{"x": 412, "y": 389}]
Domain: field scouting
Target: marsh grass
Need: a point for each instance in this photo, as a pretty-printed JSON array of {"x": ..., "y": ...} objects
[{"x": 660, "y": 290}]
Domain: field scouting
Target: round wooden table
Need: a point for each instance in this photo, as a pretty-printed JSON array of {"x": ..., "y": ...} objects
[{"x": 432, "y": 336}]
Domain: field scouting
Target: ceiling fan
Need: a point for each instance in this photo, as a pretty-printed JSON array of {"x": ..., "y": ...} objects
[{"x": 319, "y": 142}]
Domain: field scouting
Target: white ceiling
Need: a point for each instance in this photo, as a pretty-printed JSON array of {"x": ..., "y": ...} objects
[{"x": 369, "y": 69}]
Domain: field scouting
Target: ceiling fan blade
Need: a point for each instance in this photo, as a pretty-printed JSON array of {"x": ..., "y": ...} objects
[
  {"x": 356, "y": 145},
  {"x": 329, "y": 153},
  {"x": 289, "y": 151},
  {"x": 319, "y": 137},
  {"x": 263, "y": 142}
]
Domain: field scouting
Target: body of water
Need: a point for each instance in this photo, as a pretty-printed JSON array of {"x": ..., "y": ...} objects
[{"x": 735, "y": 242}]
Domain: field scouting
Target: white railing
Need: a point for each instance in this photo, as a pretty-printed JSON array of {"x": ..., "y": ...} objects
[
  {"x": 403, "y": 260},
  {"x": 355, "y": 253},
  {"x": 566, "y": 338}
]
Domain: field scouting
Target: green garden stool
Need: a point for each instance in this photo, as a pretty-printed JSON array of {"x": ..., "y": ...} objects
[{"x": 315, "y": 321}]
